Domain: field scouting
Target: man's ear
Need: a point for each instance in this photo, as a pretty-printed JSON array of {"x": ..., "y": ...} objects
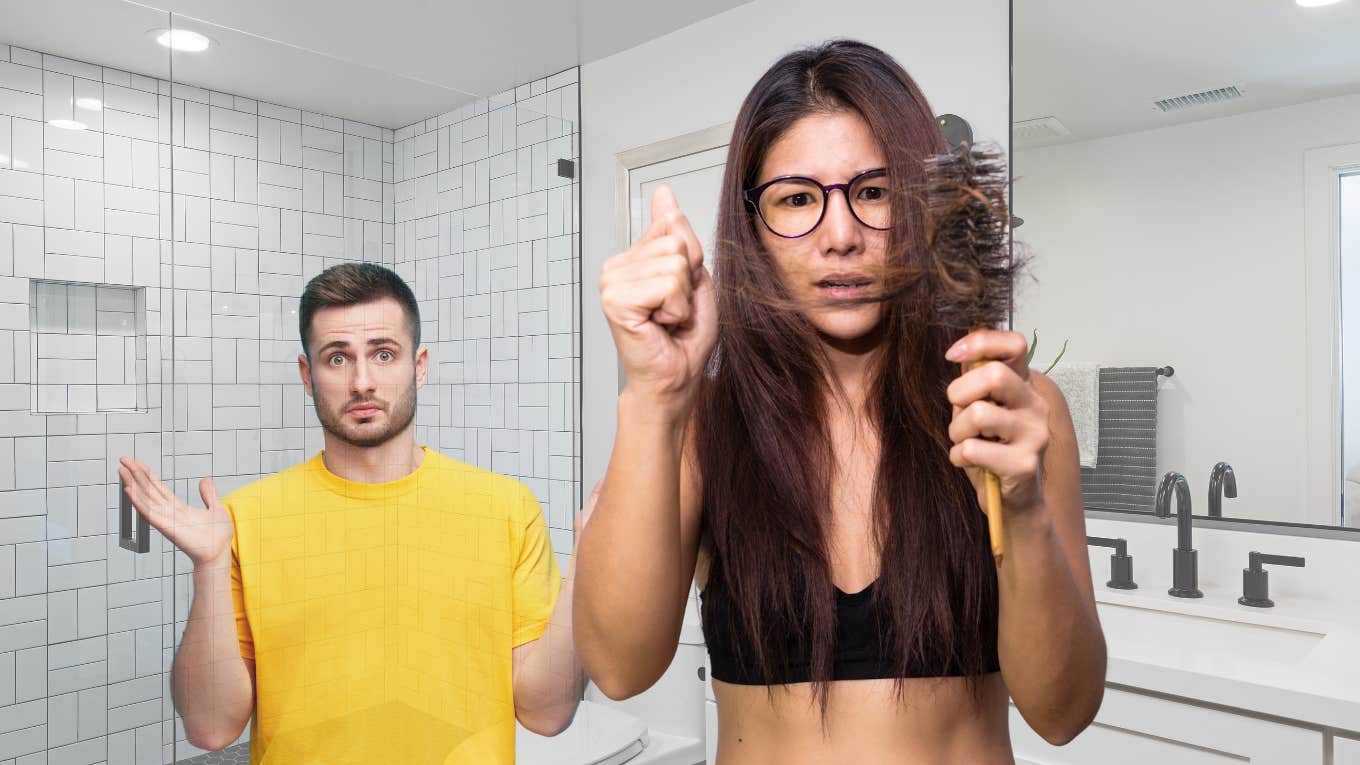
[
  {"x": 422, "y": 366},
  {"x": 305, "y": 372}
]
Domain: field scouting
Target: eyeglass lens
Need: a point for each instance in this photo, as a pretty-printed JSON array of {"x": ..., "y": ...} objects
[{"x": 794, "y": 206}]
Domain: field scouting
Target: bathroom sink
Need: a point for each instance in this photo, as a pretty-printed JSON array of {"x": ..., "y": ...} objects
[{"x": 1200, "y": 643}]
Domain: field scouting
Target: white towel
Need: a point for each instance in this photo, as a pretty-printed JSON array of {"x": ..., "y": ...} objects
[{"x": 1080, "y": 384}]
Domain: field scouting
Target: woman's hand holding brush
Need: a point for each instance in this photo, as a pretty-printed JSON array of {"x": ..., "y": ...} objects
[
  {"x": 974, "y": 269},
  {"x": 1000, "y": 422}
]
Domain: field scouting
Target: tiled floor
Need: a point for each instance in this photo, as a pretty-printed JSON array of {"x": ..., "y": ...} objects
[{"x": 232, "y": 755}]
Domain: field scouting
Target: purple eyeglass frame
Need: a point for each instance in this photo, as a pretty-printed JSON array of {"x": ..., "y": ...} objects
[{"x": 752, "y": 196}]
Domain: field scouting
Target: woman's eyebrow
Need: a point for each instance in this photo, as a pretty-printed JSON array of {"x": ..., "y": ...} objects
[{"x": 815, "y": 177}]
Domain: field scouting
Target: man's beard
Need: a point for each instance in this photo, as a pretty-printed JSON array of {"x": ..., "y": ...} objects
[{"x": 366, "y": 435}]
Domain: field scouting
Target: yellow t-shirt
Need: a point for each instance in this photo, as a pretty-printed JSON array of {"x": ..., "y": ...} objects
[{"x": 381, "y": 616}]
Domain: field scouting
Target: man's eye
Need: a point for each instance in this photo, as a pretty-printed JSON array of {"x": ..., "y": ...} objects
[
  {"x": 336, "y": 360},
  {"x": 385, "y": 355}
]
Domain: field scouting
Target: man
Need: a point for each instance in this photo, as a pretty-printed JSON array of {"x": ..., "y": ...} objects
[{"x": 380, "y": 602}]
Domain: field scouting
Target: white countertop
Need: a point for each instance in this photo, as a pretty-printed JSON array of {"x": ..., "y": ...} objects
[{"x": 1294, "y": 661}]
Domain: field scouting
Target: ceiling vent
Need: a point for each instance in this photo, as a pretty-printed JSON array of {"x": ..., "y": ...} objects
[
  {"x": 1039, "y": 129},
  {"x": 1202, "y": 98}
]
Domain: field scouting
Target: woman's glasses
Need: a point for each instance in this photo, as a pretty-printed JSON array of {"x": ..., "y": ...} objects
[{"x": 793, "y": 205}]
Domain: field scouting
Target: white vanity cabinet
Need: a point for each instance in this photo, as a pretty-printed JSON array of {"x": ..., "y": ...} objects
[
  {"x": 1345, "y": 751},
  {"x": 710, "y": 714},
  {"x": 1136, "y": 729},
  {"x": 711, "y": 731}
]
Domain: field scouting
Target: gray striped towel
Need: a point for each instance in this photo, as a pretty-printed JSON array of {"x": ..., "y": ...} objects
[{"x": 1125, "y": 475}]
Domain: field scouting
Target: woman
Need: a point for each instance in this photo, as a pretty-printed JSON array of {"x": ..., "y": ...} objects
[{"x": 792, "y": 442}]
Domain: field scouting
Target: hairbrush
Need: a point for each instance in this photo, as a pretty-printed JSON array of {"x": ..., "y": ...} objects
[{"x": 971, "y": 264}]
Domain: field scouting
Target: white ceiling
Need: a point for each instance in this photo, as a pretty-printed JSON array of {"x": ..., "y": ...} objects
[
  {"x": 1099, "y": 66},
  {"x": 387, "y": 64}
]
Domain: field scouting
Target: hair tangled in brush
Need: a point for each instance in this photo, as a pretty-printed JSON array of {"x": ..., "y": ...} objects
[{"x": 967, "y": 233}]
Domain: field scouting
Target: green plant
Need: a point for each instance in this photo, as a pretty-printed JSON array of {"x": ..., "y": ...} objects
[{"x": 1034, "y": 345}]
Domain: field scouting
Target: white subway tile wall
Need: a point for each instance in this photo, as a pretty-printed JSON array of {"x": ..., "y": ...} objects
[
  {"x": 206, "y": 213},
  {"x": 487, "y": 234}
]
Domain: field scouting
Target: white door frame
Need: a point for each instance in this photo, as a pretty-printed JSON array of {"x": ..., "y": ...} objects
[
  {"x": 625, "y": 162},
  {"x": 1322, "y": 171},
  {"x": 633, "y": 160}
]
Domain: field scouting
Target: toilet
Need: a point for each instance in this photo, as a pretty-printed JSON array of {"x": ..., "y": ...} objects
[{"x": 662, "y": 726}]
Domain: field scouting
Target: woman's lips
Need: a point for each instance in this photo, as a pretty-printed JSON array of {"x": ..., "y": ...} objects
[{"x": 843, "y": 292}]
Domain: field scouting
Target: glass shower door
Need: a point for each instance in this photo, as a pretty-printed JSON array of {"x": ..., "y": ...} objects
[
  {"x": 160, "y": 214},
  {"x": 84, "y": 109},
  {"x": 286, "y": 162},
  {"x": 270, "y": 187}
]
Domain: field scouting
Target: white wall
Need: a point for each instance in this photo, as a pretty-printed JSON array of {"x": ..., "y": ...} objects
[
  {"x": 1185, "y": 246},
  {"x": 696, "y": 78}
]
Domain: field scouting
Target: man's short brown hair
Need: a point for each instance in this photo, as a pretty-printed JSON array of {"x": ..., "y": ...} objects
[{"x": 352, "y": 284}]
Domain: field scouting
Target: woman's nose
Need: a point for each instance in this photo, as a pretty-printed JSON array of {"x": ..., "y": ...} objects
[{"x": 841, "y": 232}]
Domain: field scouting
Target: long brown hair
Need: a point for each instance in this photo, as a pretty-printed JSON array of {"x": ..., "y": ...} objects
[{"x": 764, "y": 450}]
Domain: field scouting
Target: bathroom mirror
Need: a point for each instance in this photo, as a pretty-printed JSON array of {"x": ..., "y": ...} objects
[{"x": 1189, "y": 180}]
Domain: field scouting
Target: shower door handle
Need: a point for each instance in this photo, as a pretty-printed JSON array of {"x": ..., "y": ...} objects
[{"x": 140, "y": 541}]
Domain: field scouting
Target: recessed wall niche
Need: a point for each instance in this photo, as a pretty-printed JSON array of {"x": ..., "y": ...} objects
[{"x": 90, "y": 343}]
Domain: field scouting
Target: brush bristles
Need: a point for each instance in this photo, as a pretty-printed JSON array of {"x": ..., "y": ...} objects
[{"x": 967, "y": 224}]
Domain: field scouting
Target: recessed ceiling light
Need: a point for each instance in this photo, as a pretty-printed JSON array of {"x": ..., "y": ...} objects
[
  {"x": 1315, "y": 3},
  {"x": 67, "y": 124},
  {"x": 93, "y": 104},
  {"x": 184, "y": 40}
]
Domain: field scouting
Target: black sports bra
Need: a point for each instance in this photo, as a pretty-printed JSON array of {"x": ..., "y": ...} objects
[{"x": 860, "y": 653}]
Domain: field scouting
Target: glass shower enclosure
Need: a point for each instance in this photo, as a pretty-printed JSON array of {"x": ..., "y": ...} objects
[{"x": 161, "y": 208}]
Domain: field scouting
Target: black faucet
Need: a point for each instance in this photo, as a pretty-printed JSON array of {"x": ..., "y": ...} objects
[
  {"x": 1184, "y": 559},
  {"x": 1256, "y": 580},
  {"x": 1222, "y": 482},
  {"x": 1121, "y": 563}
]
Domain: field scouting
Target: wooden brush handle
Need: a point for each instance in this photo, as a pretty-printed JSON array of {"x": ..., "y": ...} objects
[
  {"x": 995, "y": 530},
  {"x": 994, "y": 527}
]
